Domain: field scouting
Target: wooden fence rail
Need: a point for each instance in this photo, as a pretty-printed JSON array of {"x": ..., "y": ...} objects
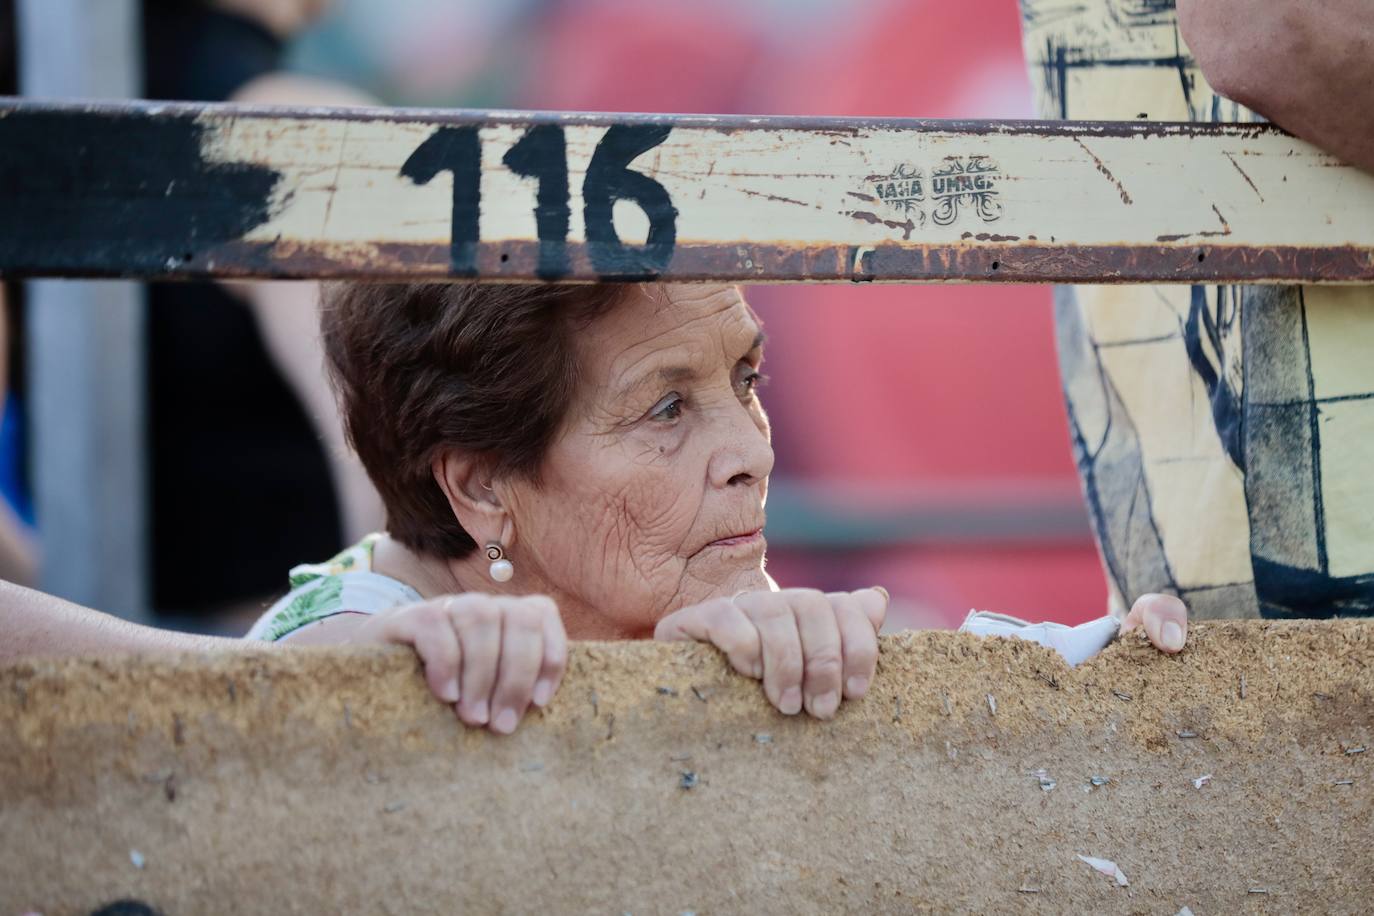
[
  {"x": 156, "y": 190},
  {"x": 975, "y": 777}
]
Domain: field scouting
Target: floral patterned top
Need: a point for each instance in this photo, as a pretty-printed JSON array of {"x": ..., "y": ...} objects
[{"x": 345, "y": 583}]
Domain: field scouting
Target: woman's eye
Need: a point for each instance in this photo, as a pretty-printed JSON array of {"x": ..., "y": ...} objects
[
  {"x": 749, "y": 383},
  {"x": 668, "y": 409}
]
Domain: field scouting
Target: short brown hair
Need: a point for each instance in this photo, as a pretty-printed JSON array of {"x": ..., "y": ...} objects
[{"x": 419, "y": 368}]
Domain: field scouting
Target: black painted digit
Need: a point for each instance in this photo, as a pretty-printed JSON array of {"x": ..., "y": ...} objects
[
  {"x": 609, "y": 179},
  {"x": 126, "y": 908},
  {"x": 543, "y": 154},
  {"x": 459, "y": 151}
]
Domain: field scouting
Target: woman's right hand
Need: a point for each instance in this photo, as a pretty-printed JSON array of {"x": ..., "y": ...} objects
[
  {"x": 810, "y": 648},
  {"x": 491, "y": 656}
]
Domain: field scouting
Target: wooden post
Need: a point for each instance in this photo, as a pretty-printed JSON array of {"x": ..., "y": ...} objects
[{"x": 85, "y": 344}]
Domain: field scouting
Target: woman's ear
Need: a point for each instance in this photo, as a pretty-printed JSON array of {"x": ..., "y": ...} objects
[{"x": 474, "y": 500}]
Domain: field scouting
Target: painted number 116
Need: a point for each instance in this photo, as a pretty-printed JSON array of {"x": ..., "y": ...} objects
[{"x": 542, "y": 154}]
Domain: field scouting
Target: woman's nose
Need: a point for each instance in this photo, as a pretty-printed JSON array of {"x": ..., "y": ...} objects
[{"x": 744, "y": 454}]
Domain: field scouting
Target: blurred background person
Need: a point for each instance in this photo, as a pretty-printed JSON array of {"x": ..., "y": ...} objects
[{"x": 248, "y": 467}]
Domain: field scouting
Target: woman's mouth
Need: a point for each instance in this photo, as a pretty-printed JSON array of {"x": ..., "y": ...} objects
[{"x": 746, "y": 538}]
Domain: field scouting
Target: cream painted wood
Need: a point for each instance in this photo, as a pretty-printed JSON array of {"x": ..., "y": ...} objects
[{"x": 777, "y": 199}]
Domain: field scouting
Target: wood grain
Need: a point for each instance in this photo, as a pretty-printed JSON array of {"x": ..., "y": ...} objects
[{"x": 176, "y": 190}]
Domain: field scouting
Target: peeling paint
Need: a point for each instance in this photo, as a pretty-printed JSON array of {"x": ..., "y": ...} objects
[
  {"x": 1101, "y": 167},
  {"x": 775, "y": 188}
]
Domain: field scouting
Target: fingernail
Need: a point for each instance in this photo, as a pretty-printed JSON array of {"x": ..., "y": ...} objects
[
  {"x": 1171, "y": 636},
  {"x": 480, "y": 712},
  {"x": 756, "y": 671},
  {"x": 824, "y": 706},
  {"x": 543, "y": 692},
  {"x": 856, "y": 687},
  {"x": 886, "y": 596},
  {"x": 791, "y": 701},
  {"x": 505, "y": 721},
  {"x": 449, "y": 693}
]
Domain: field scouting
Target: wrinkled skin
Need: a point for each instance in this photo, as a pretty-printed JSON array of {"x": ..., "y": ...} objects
[
  {"x": 666, "y": 452},
  {"x": 646, "y": 520}
]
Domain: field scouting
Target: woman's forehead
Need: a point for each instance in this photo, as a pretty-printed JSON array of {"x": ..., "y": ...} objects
[{"x": 661, "y": 317}]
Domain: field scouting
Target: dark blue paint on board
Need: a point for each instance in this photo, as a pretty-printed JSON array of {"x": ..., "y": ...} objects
[{"x": 97, "y": 192}]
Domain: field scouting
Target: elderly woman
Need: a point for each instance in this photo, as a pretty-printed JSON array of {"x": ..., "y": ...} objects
[{"x": 582, "y": 460}]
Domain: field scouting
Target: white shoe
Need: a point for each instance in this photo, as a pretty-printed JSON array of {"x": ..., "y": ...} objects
[{"x": 1075, "y": 644}]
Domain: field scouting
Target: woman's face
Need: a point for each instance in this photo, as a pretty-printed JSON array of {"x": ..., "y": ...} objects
[{"x": 652, "y": 496}]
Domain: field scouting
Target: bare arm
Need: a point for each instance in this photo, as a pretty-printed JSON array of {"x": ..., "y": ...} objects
[
  {"x": 33, "y": 624},
  {"x": 1306, "y": 66}
]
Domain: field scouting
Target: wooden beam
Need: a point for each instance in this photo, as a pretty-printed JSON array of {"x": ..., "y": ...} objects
[
  {"x": 971, "y": 778},
  {"x": 163, "y": 190}
]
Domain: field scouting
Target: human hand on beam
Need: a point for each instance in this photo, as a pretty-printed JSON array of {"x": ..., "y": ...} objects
[
  {"x": 490, "y": 656},
  {"x": 809, "y": 648},
  {"x": 1162, "y": 618}
]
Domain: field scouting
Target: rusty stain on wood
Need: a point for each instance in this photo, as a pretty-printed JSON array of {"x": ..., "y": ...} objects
[
  {"x": 1245, "y": 176},
  {"x": 867, "y": 217},
  {"x": 1101, "y": 167}
]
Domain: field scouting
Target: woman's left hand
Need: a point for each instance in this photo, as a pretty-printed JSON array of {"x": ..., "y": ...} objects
[
  {"x": 809, "y": 647},
  {"x": 1163, "y": 618}
]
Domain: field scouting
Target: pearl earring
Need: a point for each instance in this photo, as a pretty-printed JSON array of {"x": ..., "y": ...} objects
[{"x": 501, "y": 569}]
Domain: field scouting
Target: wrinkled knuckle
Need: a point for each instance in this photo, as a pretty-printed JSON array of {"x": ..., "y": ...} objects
[
  {"x": 525, "y": 616},
  {"x": 735, "y": 642},
  {"x": 825, "y": 664},
  {"x": 463, "y": 604},
  {"x": 429, "y": 620},
  {"x": 510, "y": 691},
  {"x": 482, "y": 612},
  {"x": 790, "y": 669},
  {"x": 429, "y": 615},
  {"x": 812, "y": 602},
  {"x": 772, "y": 611},
  {"x": 743, "y": 601},
  {"x": 862, "y": 657},
  {"x": 719, "y": 609}
]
